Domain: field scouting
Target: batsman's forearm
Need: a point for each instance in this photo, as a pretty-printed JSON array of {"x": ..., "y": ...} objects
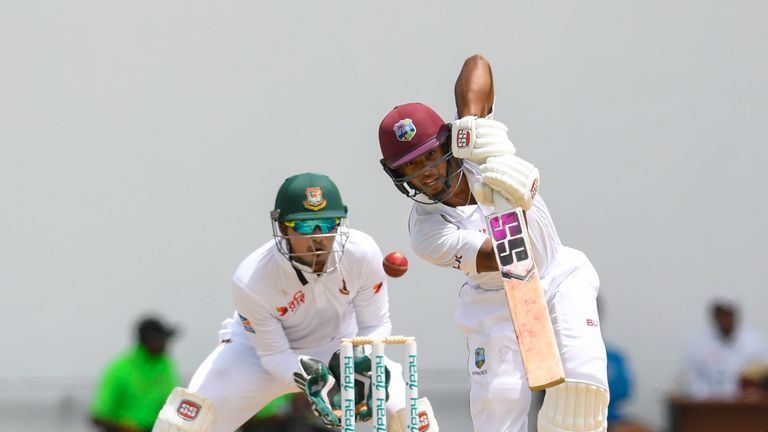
[
  {"x": 486, "y": 258},
  {"x": 474, "y": 88}
]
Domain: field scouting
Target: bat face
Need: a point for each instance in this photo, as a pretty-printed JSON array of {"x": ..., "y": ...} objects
[{"x": 530, "y": 315}]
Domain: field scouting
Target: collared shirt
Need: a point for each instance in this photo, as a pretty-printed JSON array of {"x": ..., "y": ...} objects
[
  {"x": 286, "y": 311},
  {"x": 133, "y": 389}
]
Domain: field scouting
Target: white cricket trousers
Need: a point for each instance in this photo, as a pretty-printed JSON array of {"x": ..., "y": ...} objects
[
  {"x": 233, "y": 379},
  {"x": 499, "y": 393}
]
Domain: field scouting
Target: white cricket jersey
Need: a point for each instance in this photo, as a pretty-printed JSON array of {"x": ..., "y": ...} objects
[
  {"x": 451, "y": 237},
  {"x": 285, "y": 312}
]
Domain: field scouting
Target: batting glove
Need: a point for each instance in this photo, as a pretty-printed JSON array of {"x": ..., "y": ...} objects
[
  {"x": 514, "y": 178},
  {"x": 477, "y": 139}
]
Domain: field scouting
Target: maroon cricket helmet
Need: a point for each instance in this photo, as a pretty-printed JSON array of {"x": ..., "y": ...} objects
[{"x": 409, "y": 131}]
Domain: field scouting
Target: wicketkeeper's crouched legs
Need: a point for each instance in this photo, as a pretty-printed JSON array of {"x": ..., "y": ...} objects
[{"x": 232, "y": 382}]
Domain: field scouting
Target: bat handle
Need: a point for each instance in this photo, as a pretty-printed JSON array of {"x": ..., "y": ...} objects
[{"x": 500, "y": 203}]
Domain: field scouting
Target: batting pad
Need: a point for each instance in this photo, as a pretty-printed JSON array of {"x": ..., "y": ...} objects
[
  {"x": 574, "y": 406},
  {"x": 185, "y": 411},
  {"x": 426, "y": 417}
]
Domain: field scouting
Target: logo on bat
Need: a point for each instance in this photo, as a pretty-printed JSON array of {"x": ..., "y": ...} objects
[{"x": 405, "y": 130}]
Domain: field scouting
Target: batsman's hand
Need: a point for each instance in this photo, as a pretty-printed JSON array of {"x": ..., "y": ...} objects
[
  {"x": 477, "y": 139},
  {"x": 363, "y": 381},
  {"x": 316, "y": 381},
  {"x": 516, "y": 179}
]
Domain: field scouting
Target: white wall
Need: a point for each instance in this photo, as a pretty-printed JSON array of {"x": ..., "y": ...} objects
[{"x": 143, "y": 142}]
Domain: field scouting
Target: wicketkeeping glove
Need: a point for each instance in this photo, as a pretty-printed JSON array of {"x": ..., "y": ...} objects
[
  {"x": 321, "y": 388},
  {"x": 477, "y": 139},
  {"x": 363, "y": 381}
]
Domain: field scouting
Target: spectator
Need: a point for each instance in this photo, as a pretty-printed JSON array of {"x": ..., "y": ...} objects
[
  {"x": 717, "y": 356},
  {"x": 135, "y": 384},
  {"x": 619, "y": 383}
]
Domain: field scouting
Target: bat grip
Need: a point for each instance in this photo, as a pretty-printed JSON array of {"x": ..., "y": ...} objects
[{"x": 500, "y": 203}]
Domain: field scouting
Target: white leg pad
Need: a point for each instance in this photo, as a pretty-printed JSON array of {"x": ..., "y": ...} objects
[
  {"x": 185, "y": 411},
  {"x": 574, "y": 406},
  {"x": 426, "y": 419}
]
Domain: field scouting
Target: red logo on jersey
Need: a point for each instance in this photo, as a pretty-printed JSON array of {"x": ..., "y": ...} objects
[
  {"x": 592, "y": 323},
  {"x": 423, "y": 421},
  {"x": 297, "y": 300},
  {"x": 188, "y": 410},
  {"x": 377, "y": 287}
]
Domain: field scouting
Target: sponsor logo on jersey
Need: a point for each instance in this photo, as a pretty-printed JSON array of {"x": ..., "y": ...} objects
[
  {"x": 315, "y": 200},
  {"x": 405, "y": 130},
  {"x": 343, "y": 288},
  {"x": 246, "y": 324},
  {"x": 479, "y": 357},
  {"x": 457, "y": 259},
  {"x": 377, "y": 287},
  {"x": 188, "y": 410},
  {"x": 298, "y": 299},
  {"x": 592, "y": 323}
]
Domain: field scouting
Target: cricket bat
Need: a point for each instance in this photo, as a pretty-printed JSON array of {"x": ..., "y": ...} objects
[{"x": 530, "y": 315}]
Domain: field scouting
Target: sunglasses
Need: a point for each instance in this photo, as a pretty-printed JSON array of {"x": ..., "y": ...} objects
[{"x": 308, "y": 226}]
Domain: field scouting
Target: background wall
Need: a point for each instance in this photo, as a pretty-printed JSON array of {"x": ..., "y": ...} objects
[{"x": 143, "y": 143}]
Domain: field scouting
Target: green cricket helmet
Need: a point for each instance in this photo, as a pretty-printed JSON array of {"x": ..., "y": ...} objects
[
  {"x": 308, "y": 196},
  {"x": 310, "y": 201}
]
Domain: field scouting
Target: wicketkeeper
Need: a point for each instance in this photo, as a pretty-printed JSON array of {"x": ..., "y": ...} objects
[{"x": 296, "y": 297}]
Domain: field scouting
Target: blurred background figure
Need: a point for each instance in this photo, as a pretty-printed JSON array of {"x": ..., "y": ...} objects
[
  {"x": 620, "y": 384},
  {"x": 717, "y": 356},
  {"x": 134, "y": 386}
]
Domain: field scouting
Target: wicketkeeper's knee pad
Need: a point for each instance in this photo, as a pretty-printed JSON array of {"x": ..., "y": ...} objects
[
  {"x": 425, "y": 417},
  {"x": 185, "y": 411},
  {"x": 574, "y": 406}
]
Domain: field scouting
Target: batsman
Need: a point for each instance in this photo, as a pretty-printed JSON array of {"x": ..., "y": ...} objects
[
  {"x": 296, "y": 297},
  {"x": 460, "y": 174}
]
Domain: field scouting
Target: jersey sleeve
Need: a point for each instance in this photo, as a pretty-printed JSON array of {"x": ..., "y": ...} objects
[
  {"x": 442, "y": 243},
  {"x": 372, "y": 300},
  {"x": 266, "y": 334}
]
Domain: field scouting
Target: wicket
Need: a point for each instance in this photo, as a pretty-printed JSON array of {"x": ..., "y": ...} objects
[{"x": 378, "y": 381}]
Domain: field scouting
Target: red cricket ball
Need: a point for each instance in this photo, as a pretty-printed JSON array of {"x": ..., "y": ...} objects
[{"x": 395, "y": 264}]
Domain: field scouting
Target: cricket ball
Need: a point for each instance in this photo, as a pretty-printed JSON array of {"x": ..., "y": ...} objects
[{"x": 395, "y": 264}]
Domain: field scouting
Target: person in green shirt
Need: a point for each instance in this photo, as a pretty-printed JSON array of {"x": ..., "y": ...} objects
[{"x": 134, "y": 385}]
